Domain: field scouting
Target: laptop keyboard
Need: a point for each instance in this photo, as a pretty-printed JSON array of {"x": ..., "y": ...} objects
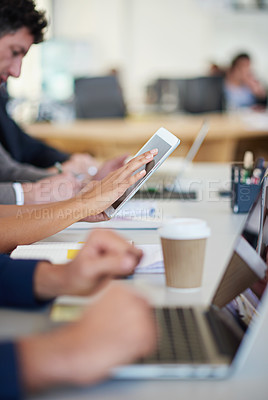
[
  {"x": 164, "y": 194},
  {"x": 225, "y": 339},
  {"x": 179, "y": 339},
  {"x": 164, "y": 187}
]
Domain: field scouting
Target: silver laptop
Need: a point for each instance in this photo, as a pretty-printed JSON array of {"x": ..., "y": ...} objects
[
  {"x": 161, "y": 186},
  {"x": 201, "y": 343}
]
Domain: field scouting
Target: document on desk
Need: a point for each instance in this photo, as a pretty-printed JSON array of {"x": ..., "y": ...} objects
[
  {"x": 255, "y": 120},
  {"x": 152, "y": 260},
  {"x": 136, "y": 214},
  {"x": 59, "y": 253}
]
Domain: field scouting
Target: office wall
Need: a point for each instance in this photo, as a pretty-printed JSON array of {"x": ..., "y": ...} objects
[{"x": 145, "y": 39}]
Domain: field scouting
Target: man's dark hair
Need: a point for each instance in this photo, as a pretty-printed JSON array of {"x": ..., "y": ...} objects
[
  {"x": 17, "y": 14},
  {"x": 239, "y": 57}
]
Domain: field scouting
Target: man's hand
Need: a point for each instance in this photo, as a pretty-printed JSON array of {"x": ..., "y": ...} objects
[
  {"x": 117, "y": 329},
  {"x": 104, "y": 256},
  {"x": 110, "y": 166},
  {"x": 91, "y": 168},
  {"x": 54, "y": 188},
  {"x": 96, "y": 218},
  {"x": 78, "y": 163}
]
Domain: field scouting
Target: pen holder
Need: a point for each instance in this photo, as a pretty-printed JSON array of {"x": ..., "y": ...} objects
[{"x": 243, "y": 193}]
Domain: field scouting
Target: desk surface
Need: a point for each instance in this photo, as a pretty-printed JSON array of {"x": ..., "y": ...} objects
[
  {"x": 225, "y": 227},
  {"x": 105, "y": 138}
]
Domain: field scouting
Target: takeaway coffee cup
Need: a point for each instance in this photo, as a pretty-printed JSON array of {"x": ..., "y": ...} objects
[{"x": 183, "y": 243}]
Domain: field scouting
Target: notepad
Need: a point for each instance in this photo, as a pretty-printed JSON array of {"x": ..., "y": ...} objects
[
  {"x": 66, "y": 313},
  {"x": 72, "y": 253},
  {"x": 59, "y": 253},
  {"x": 152, "y": 261},
  {"x": 124, "y": 224}
]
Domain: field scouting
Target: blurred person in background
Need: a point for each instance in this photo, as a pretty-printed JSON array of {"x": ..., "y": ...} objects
[{"x": 242, "y": 88}]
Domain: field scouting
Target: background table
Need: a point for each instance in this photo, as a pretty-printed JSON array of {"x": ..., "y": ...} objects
[{"x": 228, "y": 137}]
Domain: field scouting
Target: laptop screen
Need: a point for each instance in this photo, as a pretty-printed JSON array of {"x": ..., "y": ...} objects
[
  {"x": 256, "y": 227},
  {"x": 243, "y": 281}
]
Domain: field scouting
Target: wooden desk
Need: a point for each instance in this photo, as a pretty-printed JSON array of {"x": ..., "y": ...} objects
[{"x": 107, "y": 138}]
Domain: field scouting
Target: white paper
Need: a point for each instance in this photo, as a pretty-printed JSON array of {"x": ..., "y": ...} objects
[
  {"x": 152, "y": 261},
  {"x": 53, "y": 252}
]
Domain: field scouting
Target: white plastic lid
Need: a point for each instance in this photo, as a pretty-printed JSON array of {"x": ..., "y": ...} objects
[{"x": 185, "y": 229}]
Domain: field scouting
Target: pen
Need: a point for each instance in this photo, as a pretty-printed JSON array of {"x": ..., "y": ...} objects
[
  {"x": 258, "y": 171},
  {"x": 247, "y": 169}
]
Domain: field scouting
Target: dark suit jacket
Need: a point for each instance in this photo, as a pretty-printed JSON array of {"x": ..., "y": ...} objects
[
  {"x": 16, "y": 290},
  {"x": 24, "y": 148}
]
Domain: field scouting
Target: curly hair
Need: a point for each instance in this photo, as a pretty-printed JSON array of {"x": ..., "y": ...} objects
[{"x": 17, "y": 14}]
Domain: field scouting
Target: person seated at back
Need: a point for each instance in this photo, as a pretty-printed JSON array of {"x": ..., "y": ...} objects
[{"x": 242, "y": 88}]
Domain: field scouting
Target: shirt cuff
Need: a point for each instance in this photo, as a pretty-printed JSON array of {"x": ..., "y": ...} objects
[
  {"x": 17, "y": 284},
  {"x": 18, "y": 193},
  {"x": 10, "y": 385}
]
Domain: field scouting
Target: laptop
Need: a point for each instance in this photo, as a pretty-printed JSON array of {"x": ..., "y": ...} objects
[
  {"x": 166, "y": 186},
  {"x": 204, "y": 343}
]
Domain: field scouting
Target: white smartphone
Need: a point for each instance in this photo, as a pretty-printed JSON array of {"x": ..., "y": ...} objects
[{"x": 166, "y": 143}]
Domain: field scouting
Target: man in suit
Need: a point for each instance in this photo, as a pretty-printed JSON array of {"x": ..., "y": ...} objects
[
  {"x": 26, "y": 149},
  {"x": 13, "y": 48},
  {"x": 22, "y": 147},
  {"x": 22, "y": 183},
  {"x": 34, "y": 160},
  {"x": 91, "y": 346}
]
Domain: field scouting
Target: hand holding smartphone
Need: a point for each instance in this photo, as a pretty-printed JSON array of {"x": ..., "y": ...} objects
[{"x": 166, "y": 143}]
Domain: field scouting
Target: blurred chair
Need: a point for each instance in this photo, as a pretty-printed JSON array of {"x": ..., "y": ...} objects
[
  {"x": 194, "y": 95},
  {"x": 99, "y": 97},
  {"x": 201, "y": 94}
]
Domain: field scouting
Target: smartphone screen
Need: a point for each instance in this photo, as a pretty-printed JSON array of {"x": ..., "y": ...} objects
[{"x": 156, "y": 143}]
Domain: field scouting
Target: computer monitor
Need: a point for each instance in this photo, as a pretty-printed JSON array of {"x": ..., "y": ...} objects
[
  {"x": 202, "y": 94},
  {"x": 99, "y": 97}
]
